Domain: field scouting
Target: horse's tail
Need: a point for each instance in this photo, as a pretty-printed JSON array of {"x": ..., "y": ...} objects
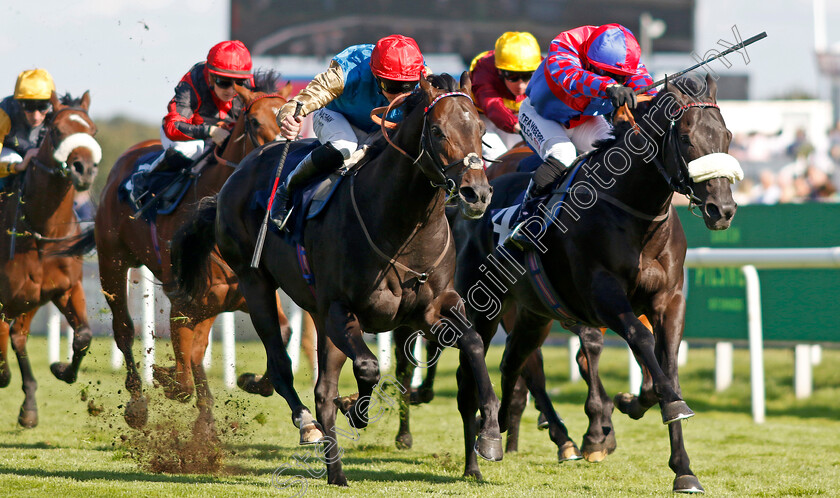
[
  {"x": 80, "y": 245},
  {"x": 191, "y": 247}
]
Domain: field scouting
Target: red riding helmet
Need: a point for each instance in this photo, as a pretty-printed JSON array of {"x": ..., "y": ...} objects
[
  {"x": 614, "y": 49},
  {"x": 229, "y": 59},
  {"x": 397, "y": 58}
]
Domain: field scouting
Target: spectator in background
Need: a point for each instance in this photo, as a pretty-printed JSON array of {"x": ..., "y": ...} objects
[
  {"x": 801, "y": 147},
  {"x": 822, "y": 188},
  {"x": 767, "y": 191}
]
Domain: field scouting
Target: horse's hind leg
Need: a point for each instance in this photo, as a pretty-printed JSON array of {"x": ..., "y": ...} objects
[
  {"x": 405, "y": 370},
  {"x": 28, "y": 416},
  {"x": 518, "y": 402},
  {"x": 599, "y": 440},
  {"x": 345, "y": 331},
  {"x": 72, "y": 306},
  {"x": 261, "y": 384},
  {"x": 330, "y": 361},
  {"x": 5, "y": 371},
  {"x": 113, "y": 277},
  {"x": 178, "y": 383},
  {"x": 205, "y": 425}
]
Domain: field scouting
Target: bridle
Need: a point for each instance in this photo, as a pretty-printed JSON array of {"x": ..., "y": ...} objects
[
  {"x": 249, "y": 131},
  {"x": 682, "y": 182},
  {"x": 440, "y": 180},
  {"x": 61, "y": 169}
]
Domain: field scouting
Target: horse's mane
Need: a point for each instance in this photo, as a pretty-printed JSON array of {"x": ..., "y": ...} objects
[
  {"x": 70, "y": 101},
  {"x": 690, "y": 84},
  {"x": 267, "y": 81}
]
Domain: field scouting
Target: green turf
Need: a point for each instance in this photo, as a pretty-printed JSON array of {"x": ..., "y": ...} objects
[{"x": 72, "y": 453}]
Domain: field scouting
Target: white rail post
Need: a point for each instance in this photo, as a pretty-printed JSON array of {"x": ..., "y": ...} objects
[
  {"x": 53, "y": 334},
  {"x": 293, "y": 348},
  {"x": 723, "y": 365},
  {"x": 417, "y": 378},
  {"x": 147, "y": 289},
  {"x": 68, "y": 331},
  {"x": 756, "y": 341},
  {"x": 816, "y": 354},
  {"x": 229, "y": 348},
  {"x": 383, "y": 340},
  {"x": 635, "y": 373},
  {"x": 207, "y": 361},
  {"x": 803, "y": 377},
  {"x": 574, "y": 347},
  {"x": 682, "y": 354}
]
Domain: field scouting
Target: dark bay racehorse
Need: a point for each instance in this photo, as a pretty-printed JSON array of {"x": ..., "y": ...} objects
[
  {"x": 124, "y": 241},
  {"x": 37, "y": 214},
  {"x": 615, "y": 250},
  {"x": 382, "y": 256}
]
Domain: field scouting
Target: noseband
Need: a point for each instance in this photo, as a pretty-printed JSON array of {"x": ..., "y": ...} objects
[
  {"x": 61, "y": 169},
  {"x": 681, "y": 184},
  {"x": 471, "y": 161}
]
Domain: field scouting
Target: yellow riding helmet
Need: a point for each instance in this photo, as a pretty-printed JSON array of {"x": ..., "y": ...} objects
[
  {"x": 34, "y": 84},
  {"x": 517, "y": 51}
]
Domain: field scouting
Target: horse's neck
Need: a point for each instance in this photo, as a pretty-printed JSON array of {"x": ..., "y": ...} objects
[
  {"x": 641, "y": 186},
  {"x": 47, "y": 200},
  {"x": 238, "y": 145}
]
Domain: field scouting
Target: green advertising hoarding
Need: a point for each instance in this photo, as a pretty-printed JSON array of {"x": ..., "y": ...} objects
[{"x": 796, "y": 305}]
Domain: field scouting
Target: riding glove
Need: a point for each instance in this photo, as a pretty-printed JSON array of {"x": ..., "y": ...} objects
[{"x": 620, "y": 95}]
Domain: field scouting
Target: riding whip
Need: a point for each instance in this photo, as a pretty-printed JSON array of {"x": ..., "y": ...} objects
[
  {"x": 255, "y": 260},
  {"x": 728, "y": 51}
]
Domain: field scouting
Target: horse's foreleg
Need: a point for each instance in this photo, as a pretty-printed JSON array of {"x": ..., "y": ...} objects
[
  {"x": 614, "y": 309},
  {"x": 345, "y": 331},
  {"x": 262, "y": 303},
  {"x": 425, "y": 393},
  {"x": 330, "y": 361},
  {"x": 518, "y": 402},
  {"x": 599, "y": 440},
  {"x": 528, "y": 333},
  {"x": 405, "y": 371},
  {"x": 72, "y": 305},
  {"x": 5, "y": 371},
  {"x": 28, "y": 416}
]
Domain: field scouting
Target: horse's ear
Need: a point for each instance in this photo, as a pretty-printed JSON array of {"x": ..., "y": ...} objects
[
  {"x": 85, "y": 104},
  {"x": 56, "y": 104},
  {"x": 466, "y": 84},
  {"x": 244, "y": 94},
  {"x": 286, "y": 91},
  {"x": 425, "y": 85},
  {"x": 711, "y": 87}
]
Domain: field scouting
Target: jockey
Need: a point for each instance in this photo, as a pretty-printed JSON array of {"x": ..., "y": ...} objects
[
  {"x": 589, "y": 72},
  {"x": 205, "y": 105},
  {"x": 359, "y": 79},
  {"x": 499, "y": 78},
  {"x": 22, "y": 121}
]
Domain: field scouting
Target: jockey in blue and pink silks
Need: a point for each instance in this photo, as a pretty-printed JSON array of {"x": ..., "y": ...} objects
[{"x": 589, "y": 72}]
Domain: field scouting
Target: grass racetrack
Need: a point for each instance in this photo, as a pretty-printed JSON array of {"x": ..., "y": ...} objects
[{"x": 73, "y": 452}]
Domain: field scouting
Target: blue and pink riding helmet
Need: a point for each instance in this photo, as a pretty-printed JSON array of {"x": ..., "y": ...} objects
[{"x": 612, "y": 48}]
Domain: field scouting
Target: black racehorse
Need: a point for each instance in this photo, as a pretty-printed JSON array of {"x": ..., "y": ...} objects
[
  {"x": 613, "y": 250},
  {"x": 382, "y": 256}
]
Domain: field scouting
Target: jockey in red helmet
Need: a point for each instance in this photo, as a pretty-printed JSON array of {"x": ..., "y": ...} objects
[
  {"x": 589, "y": 72},
  {"x": 359, "y": 79},
  {"x": 204, "y": 106}
]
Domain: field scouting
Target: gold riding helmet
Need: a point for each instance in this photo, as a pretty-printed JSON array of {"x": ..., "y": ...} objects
[
  {"x": 517, "y": 51},
  {"x": 34, "y": 84}
]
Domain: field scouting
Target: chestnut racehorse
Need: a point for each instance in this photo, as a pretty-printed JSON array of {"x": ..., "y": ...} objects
[
  {"x": 124, "y": 241},
  {"x": 37, "y": 215}
]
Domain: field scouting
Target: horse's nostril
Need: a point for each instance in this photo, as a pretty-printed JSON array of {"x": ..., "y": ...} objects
[
  {"x": 712, "y": 211},
  {"x": 469, "y": 195}
]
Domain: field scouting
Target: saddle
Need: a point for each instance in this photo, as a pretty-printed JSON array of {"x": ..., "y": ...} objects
[{"x": 167, "y": 188}]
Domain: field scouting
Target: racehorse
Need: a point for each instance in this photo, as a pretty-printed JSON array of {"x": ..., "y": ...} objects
[
  {"x": 381, "y": 256},
  {"x": 125, "y": 241},
  {"x": 615, "y": 249},
  {"x": 37, "y": 213}
]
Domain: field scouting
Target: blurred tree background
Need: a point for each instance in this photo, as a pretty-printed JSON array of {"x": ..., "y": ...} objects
[{"x": 115, "y": 135}]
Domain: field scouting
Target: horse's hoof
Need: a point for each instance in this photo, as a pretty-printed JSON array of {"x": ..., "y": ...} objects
[
  {"x": 347, "y": 406},
  {"x": 339, "y": 480},
  {"x": 255, "y": 384},
  {"x": 420, "y": 396},
  {"x": 28, "y": 418},
  {"x": 136, "y": 412},
  {"x": 568, "y": 452},
  {"x": 595, "y": 456},
  {"x": 629, "y": 405},
  {"x": 489, "y": 448},
  {"x": 474, "y": 473},
  {"x": 687, "y": 484},
  {"x": 5, "y": 378},
  {"x": 172, "y": 389},
  {"x": 542, "y": 422},
  {"x": 62, "y": 371},
  {"x": 675, "y": 410},
  {"x": 311, "y": 433},
  {"x": 404, "y": 441}
]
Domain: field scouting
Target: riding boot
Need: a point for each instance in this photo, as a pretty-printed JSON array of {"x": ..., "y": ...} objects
[
  {"x": 321, "y": 161},
  {"x": 544, "y": 177},
  {"x": 171, "y": 160}
]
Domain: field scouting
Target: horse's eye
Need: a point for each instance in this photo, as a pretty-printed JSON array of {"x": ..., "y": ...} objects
[
  {"x": 255, "y": 123},
  {"x": 684, "y": 139},
  {"x": 436, "y": 132}
]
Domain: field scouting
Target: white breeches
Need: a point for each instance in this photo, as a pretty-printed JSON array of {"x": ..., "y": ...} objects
[
  {"x": 550, "y": 138},
  {"x": 333, "y": 127},
  {"x": 496, "y": 141}
]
